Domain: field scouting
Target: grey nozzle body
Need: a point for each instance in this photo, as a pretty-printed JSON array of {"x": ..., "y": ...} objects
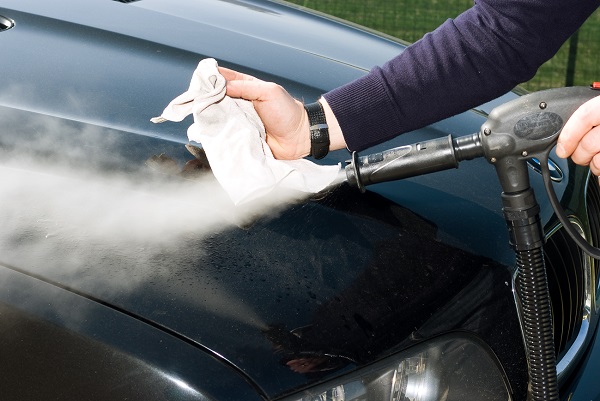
[{"x": 412, "y": 160}]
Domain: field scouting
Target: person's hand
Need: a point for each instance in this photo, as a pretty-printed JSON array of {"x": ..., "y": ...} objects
[
  {"x": 580, "y": 137},
  {"x": 284, "y": 118}
]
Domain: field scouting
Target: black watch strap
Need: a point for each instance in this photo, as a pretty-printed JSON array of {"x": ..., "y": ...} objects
[{"x": 319, "y": 131}]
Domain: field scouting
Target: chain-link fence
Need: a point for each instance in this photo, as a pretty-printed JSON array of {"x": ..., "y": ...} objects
[{"x": 576, "y": 63}]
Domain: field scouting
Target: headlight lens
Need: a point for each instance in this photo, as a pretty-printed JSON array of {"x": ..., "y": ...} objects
[{"x": 448, "y": 369}]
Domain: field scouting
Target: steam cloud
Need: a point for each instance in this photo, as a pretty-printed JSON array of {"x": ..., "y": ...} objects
[{"x": 62, "y": 216}]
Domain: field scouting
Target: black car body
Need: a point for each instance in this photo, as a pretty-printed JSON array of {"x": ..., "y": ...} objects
[{"x": 126, "y": 274}]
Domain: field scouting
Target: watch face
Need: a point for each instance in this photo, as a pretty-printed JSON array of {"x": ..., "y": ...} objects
[{"x": 320, "y": 135}]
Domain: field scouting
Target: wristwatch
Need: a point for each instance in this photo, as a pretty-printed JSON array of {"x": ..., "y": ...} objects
[{"x": 319, "y": 131}]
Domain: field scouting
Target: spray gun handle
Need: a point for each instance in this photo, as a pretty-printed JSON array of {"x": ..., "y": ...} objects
[{"x": 525, "y": 128}]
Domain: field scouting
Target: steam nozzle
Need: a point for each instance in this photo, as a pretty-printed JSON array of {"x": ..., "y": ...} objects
[{"x": 411, "y": 160}]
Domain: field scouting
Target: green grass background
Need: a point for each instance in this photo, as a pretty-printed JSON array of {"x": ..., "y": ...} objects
[{"x": 411, "y": 19}]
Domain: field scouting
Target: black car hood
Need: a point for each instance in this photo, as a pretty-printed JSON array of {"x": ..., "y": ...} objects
[
  {"x": 338, "y": 281},
  {"x": 344, "y": 278}
]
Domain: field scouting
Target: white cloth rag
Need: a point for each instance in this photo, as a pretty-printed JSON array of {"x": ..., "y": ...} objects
[{"x": 233, "y": 138}]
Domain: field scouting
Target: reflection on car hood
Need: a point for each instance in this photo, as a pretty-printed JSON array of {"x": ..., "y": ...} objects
[{"x": 116, "y": 64}]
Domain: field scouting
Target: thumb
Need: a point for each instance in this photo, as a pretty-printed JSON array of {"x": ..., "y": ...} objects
[{"x": 247, "y": 90}]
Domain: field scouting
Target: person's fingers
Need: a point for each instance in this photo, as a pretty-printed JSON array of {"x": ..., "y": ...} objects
[
  {"x": 587, "y": 148},
  {"x": 247, "y": 89},
  {"x": 282, "y": 115},
  {"x": 244, "y": 86},
  {"x": 232, "y": 75},
  {"x": 582, "y": 121}
]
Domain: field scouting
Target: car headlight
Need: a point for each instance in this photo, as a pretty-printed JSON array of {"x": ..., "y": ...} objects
[{"x": 447, "y": 369}]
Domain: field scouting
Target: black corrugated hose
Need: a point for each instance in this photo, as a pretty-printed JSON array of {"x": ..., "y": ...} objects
[
  {"x": 537, "y": 324},
  {"x": 522, "y": 214}
]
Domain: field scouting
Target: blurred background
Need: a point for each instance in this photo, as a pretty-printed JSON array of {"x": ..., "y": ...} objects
[{"x": 577, "y": 62}]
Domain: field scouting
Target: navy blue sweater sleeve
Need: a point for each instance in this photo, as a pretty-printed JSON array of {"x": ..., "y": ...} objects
[{"x": 483, "y": 53}]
